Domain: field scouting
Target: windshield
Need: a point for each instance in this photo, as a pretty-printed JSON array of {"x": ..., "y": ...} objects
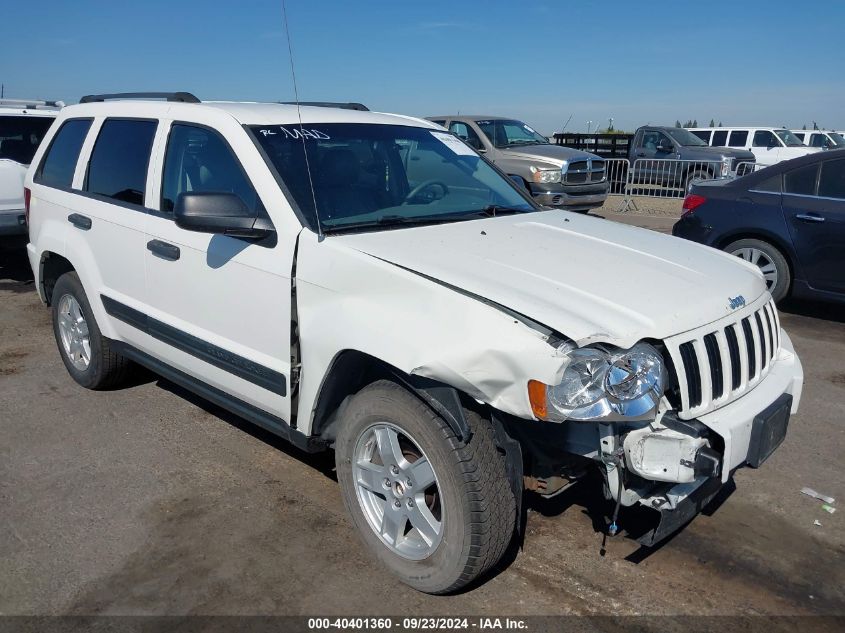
[
  {"x": 20, "y": 136},
  {"x": 510, "y": 133},
  {"x": 788, "y": 138},
  {"x": 685, "y": 137},
  {"x": 368, "y": 176}
]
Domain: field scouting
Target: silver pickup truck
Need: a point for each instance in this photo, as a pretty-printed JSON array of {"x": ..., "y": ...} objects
[{"x": 556, "y": 176}]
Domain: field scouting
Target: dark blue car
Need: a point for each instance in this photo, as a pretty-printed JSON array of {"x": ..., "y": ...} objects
[{"x": 788, "y": 219}]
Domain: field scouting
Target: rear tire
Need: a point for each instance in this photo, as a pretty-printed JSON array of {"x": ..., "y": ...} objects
[
  {"x": 86, "y": 353},
  {"x": 771, "y": 262},
  {"x": 470, "y": 498}
]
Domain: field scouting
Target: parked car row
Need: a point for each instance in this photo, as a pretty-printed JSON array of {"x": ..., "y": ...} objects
[{"x": 372, "y": 284}]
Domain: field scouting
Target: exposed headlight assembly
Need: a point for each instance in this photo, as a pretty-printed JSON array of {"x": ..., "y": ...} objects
[
  {"x": 544, "y": 176},
  {"x": 601, "y": 383}
]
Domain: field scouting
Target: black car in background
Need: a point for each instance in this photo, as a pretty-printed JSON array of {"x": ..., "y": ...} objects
[{"x": 788, "y": 219}]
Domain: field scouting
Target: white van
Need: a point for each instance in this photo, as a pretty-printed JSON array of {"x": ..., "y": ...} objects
[
  {"x": 769, "y": 144},
  {"x": 820, "y": 138}
]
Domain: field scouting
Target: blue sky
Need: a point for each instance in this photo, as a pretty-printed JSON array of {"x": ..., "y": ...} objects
[{"x": 763, "y": 62}]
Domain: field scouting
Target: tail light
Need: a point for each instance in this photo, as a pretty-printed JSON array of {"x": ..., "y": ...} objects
[
  {"x": 27, "y": 196},
  {"x": 692, "y": 202}
]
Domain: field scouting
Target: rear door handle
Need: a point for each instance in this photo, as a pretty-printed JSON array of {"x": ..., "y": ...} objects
[
  {"x": 808, "y": 217},
  {"x": 79, "y": 221},
  {"x": 163, "y": 250}
]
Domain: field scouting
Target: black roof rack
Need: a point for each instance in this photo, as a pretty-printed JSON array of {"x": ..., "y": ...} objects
[
  {"x": 183, "y": 97},
  {"x": 329, "y": 104}
]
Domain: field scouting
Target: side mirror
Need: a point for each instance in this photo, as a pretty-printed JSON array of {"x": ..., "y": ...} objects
[
  {"x": 519, "y": 182},
  {"x": 223, "y": 213}
]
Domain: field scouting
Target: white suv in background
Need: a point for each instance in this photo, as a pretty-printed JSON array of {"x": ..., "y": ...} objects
[
  {"x": 367, "y": 282},
  {"x": 22, "y": 126},
  {"x": 820, "y": 138},
  {"x": 769, "y": 145}
]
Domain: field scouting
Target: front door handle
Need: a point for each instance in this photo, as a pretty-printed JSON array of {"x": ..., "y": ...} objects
[
  {"x": 808, "y": 217},
  {"x": 163, "y": 250},
  {"x": 79, "y": 221}
]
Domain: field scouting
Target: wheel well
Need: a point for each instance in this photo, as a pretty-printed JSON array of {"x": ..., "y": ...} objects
[
  {"x": 352, "y": 370},
  {"x": 53, "y": 266},
  {"x": 349, "y": 372}
]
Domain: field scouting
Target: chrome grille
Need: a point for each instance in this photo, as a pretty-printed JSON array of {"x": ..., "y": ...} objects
[
  {"x": 582, "y": 172},
  {"x": 718, "y": 363}
]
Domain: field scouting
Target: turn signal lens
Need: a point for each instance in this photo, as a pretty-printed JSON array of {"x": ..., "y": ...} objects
[{"x": 538, "y": 399}]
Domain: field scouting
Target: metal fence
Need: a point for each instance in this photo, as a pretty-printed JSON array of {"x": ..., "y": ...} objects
[{"x": 663, "y": 178}]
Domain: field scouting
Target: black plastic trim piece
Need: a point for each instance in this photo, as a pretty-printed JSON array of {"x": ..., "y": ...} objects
[
  {"x": 181, "y": 97},
  {"x": 80, "y": 221},
  {"x": 672, "y": 520},
  {"x": 768, "y": 430},
  {"x": 163, "y": 250},
  {"x": 443, "y": 400},
  {"x": 264, "y": 377},
  {"x": 253, "y": 414}
]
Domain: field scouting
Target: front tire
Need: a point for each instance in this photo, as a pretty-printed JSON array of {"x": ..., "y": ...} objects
[
  {"x": 84, "y": 350},
  {"x": 769, "y": 260},
  {"x": 436, "y": 512}
]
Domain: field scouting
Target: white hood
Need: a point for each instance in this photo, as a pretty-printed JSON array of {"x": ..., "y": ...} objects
[{"x": 588, "y": 278}]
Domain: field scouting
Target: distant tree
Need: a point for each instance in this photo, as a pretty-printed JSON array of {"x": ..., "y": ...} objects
[
  {"x": 815, "y": 127},
  {"x": 678, "y": 124},
  {"x": 712, "y": 123},
  {"x": 720, "y": 124},
  {"x": 804, "y": 127},
  {"x": 688, "y": 123}
]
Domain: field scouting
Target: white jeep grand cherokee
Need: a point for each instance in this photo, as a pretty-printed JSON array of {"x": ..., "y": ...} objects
[{"x": 367, "y": 282}]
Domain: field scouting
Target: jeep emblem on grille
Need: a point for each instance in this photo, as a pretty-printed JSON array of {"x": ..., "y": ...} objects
[{"x": 736, "y": 302}]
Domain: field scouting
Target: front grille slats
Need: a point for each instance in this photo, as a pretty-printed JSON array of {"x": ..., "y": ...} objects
[{"x": 720, "y": 363}]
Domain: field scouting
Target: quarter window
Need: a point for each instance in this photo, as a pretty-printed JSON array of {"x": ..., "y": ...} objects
[
  {"x": 119, "y": 161},
  {"x": 59, "y": 163},
  {"x": 801, "y": 181},
  {"x": 720, "y": 138},
  {"x": 832, "y": 180},
  {"x": 199, "y": 160},
  {"x": 739, "y": 138}
]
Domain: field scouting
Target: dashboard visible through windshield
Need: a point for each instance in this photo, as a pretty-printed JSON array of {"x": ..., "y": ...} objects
[{"x": 370, "y": 176}]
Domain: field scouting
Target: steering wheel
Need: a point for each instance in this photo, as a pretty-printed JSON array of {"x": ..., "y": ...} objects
[{"x": 425, "y": 185}]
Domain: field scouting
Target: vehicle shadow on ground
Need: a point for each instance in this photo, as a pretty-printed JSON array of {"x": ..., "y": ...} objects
[
  {"x": 814, "y": 309},
  {"x": 322, "y": 462},
  {"x": 15, "y": 273}
]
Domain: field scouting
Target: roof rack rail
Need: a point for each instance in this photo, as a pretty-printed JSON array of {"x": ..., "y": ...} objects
[
  {"x": 182, "y": 97},
  {"x": 330, "y": 104},
  {"x": 31, "y": 103}
]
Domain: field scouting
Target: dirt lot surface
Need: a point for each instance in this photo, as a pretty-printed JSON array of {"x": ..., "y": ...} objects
[{"x": 146, "y": 500}]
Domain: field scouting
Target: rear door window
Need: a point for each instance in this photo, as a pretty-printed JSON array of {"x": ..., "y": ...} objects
[
  {"x": 20, "y": 136},
  {"x": 801, "y": 181},
  {"x": 738, "y": 138},
  {"x": 832, "y": 179},
  {"x": 59, "y": 163},
  {"x": 119, "y": 161}
]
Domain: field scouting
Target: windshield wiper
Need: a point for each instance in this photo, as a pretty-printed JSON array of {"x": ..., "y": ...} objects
[{"x": 494, "y": 210}]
